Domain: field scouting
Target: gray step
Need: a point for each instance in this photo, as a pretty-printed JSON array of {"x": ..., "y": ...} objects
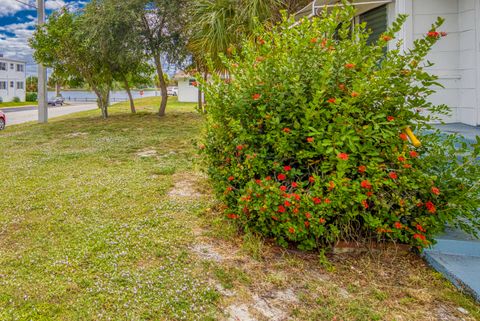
[
  {"x": 462, "y": 270},
  {"x": 457, "y": 247}
]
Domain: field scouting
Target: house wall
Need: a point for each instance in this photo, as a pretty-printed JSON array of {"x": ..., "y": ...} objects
[
  {"x": 186, "y": 92},
  {"x": 10, "y": 75},
  {"x": 456, "y": 56}
]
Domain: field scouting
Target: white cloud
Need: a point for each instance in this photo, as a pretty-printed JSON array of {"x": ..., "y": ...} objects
[
  {"x": 54, "y": 4},
  {"x": 10, "y": 7},
  {"x": 14, "y": 37},
  {"x": 15, "y": 45},
  {"x": 18, "y": 27}
]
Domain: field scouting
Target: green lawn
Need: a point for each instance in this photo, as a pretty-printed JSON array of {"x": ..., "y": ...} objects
[
  {"x": 113, "y": 220},
  {"x": 19, "y": 104}
]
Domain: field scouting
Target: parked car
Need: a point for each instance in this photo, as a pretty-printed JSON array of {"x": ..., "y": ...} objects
[
  {"x": 172, "y": 91},
  {"x": 56, "y": 101},
  {"x": 3, "y": 121}
]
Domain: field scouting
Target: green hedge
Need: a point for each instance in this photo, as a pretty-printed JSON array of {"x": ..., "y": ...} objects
[
  {"x": 306, "y": 139},
  {"x": 31, "y": 96}
]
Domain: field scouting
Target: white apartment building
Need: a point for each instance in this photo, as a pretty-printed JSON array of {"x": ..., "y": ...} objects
[{"x": 12, "y": 79}]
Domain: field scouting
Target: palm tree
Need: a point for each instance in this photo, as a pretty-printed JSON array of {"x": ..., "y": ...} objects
[
  {"x": 218, "y": 24},
  {"x": 214, "y": 28}
]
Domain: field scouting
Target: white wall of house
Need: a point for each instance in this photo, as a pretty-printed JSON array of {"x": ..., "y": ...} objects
[
  {"x": 456, "y": 56},
  {"x": 12, "y": 79},
  {"x": 187, "y": 93}
]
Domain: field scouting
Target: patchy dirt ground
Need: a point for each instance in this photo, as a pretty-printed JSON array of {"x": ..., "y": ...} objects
[
  {"x": 259, "y": 281},
  {"x": 187, "y": 186},
  {"x": 285, "y": 284}
]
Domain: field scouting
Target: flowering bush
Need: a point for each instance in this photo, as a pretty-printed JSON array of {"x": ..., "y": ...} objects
[{"x": 307, "y": 140}]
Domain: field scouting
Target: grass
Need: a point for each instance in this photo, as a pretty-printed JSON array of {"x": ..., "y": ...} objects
[
  {"x": 19, "y": 104},
  {"x": 92, "y": 230}
]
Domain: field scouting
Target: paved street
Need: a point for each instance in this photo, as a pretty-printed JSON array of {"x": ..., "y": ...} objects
[{"x": 25, "y": 114}]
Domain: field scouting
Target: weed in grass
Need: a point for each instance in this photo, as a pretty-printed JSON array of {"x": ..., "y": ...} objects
[
  {"x": 278, "y": 279},
  {"x": 220, "y": 228},
  {"x": 253, "y": 245},
  {"x": 407, "y": 301},
  {"x": 379, "y": 295},
  {"x": 225, "y": 278},
  {"x": 325, "y": 262}
]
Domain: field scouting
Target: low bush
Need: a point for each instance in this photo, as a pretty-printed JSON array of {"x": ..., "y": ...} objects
[
  {"x": 31, "y": 96},
  {"x": 16, "y": 100},
  {"x": 307, "y": 141}
]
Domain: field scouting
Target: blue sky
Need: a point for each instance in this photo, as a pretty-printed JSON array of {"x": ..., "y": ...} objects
[{"x": 17, "y": 23}]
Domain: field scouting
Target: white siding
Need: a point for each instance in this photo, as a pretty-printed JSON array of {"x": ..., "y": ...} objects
[
  {"x": 445, "y": 54},
  {"x": 10, "y": 75},
  {"x": 186, "y": 92},
  {"x": 455, "y": 56},
  {"x": 467, "y": 66}
]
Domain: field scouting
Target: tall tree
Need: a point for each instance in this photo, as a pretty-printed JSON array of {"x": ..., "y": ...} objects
[
  {"x": 68, "y": 42},
  {"x": 32, "y": 84},
  {"x": 57, "y": 80},
  {"x": 141, "y": 76},
  {"x": 163, "y": 33},
  {"x": 218, "y": 25},
  {"x": 214, "y": 24},
  {"x": 112, "y": 24}
]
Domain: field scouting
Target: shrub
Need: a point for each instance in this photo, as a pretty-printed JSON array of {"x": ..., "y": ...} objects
[
  {"x": 305, "y": 141},
  {"x": 16, "y": 100},
  {"x": 31, "y": 96}
]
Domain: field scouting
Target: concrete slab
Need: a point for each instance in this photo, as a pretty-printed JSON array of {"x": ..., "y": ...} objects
[
  {"x": 467, "y": 131},
  {"x": 457, "y": 234},
  {"x": 28, "y": 115},
  {"x": 457, "y": 254},
  {"x": 463, "y": 271},
  {"x": 457, "y": 247}
]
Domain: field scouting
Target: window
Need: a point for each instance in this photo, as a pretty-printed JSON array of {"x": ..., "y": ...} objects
[
  {"x": 12, "y": 84},
  {"x": 192, "y": 82},
  {"x": 19, "y": 84},
  {"x": 376, "y": 20},
  {"x": 3, "y": 85},
  {"x": 3, "y": 66},
  {"x": 12, "y": 66},
  {"x": 20, "y": 68}
]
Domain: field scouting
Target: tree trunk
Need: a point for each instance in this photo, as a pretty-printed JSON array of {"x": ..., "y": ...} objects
[
  {"x": 130, "y": 97},
  {"x": 102, "y": 101},
  {"x": 105, "y": 103},
  {"x": 163, "y": 85},
  {"x": 205, "y": 78},
  {"x": 58, "y": 89},
  {"x": 104, "y": 109},
  {"x": 200, "y": 100}
]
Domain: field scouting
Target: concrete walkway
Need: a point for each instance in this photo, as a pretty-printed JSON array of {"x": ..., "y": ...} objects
[
  {"x": 19, "y": 108},
  {"x": 27, "y": 114},
  {"x": 457, "y": 255},
  {"x": 468, "y": 132}
]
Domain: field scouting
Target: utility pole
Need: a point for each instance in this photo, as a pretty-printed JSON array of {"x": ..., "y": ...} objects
[{"x": 42, "y": 73}]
